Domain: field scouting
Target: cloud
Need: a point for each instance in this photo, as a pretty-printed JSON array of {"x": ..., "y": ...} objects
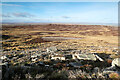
[
  {"x": 5, "y": 15},
  {"x": 66, "y": 17},
  {"x": 3, "y": 4},
  {"x": 21, "y": 14},
  {"x": 24, "y": 14}
]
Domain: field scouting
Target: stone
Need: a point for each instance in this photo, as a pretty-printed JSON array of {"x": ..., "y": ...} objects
[
  {"x": 84, "y": 56},
  {"x": 96, "y": 69},
  {"x": 3, "y": 57},
  {"x": 116, "y": 62},
  {"x": 114, "y": 68},
  {"x": 76, "y": 64},
  {"x": 99, "y": 58},
  {"x": 51, "y": 49}
]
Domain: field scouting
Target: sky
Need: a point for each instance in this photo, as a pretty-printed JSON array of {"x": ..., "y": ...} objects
[{"x": 66, "y": 12}]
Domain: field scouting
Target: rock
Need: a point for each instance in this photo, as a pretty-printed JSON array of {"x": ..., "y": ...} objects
[
  {"x": 99, "y": 58},
  {"x": 115, "y": 68},
  {"x": 96, "y": 69},
  {"x": 3, "y": 57},
  {"x": 38, "y": 76},
  {"x": 115, "y": 56},
  {"x": 85, "y": 56},
  {"x": 51, "y": 49},
  {"x": 76, "y": 64},
  {"x": 109, "y": 70},
  {"x": 116, "y": 62}
]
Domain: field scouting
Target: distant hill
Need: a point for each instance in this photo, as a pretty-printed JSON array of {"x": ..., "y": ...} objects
[{"x": 81, "y": 29}]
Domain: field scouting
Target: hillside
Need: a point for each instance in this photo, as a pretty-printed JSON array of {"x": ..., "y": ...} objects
[{"x": 59, "y": 35}]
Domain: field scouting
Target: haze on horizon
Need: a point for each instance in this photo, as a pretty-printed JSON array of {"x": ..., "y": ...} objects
[{"x": 60, "y": 12}]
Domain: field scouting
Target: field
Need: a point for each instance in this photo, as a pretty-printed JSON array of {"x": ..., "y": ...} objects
[
  {"x": 63, "y": 36},
  {"x": 50, "y": 51}
]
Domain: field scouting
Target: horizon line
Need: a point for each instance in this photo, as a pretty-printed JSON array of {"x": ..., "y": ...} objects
[{"x": 70, "y": 23}]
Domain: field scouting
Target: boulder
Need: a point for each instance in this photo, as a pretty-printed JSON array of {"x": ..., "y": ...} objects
[
  {"x": 96, "y": 69},
  {"x": 51, "y": 49},
  {"x": 116, "y": 62},
  {"x": 3, "y": 57},
  {"x": 85, "y": 56},
  {"x": 115, "y": 68}
]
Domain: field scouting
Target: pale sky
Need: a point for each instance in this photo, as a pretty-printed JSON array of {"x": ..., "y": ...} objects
[{"x": 89, "y": 12}]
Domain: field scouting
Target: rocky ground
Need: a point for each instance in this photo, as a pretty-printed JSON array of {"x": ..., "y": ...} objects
[{"x": 21, "y": 41}]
